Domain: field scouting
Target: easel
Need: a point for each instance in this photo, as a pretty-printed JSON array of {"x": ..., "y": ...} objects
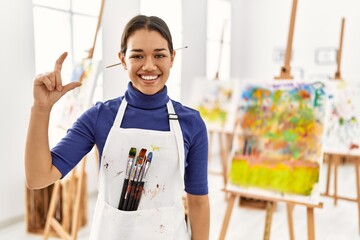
[
  {"x": 269, "y": 211},
  {"x": 224, "y": 136},
  {"x": 64, "y": 230},
  {"x": 334, "y": 159},
  {"x": 339, "y": 54},
  {"x": 285, "y": 73}
]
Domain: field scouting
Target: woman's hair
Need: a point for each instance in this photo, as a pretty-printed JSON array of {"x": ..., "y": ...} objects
[{"x": 151, "y": 23}]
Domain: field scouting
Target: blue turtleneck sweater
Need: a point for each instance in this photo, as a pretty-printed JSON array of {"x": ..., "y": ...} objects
[{"x": 94, "y": 125}]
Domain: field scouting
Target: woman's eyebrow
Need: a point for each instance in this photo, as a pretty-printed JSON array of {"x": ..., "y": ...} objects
[
  {"x": 136, "y": 50},
  {"x": 160, "y": 49},
  {"x": 155, "y": 50}
]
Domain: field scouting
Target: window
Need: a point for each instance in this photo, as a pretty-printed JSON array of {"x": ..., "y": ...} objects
[{"x": 66, "y": 25}]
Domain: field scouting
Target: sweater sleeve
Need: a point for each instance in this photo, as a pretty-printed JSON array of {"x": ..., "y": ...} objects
[
  {"x": 196, "y": 170},
  {"x": 78, "y": 141}
]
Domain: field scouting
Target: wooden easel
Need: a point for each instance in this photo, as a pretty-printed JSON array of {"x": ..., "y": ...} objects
[
  {"x": 339, "y": 53},
  {"x": 64, "y": 230},
  {"x": 334, "y": 159},
  {"x": 269, "y": 212},
  {"x": 285, "y": 73},
  {"x": 224, "y": 137}
]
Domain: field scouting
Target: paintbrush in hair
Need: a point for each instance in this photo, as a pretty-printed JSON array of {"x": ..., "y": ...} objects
[
  {"x": 133, "y": 176},
  {"x": 141, "y": 183},
  {"x": 129, "y": 166}
]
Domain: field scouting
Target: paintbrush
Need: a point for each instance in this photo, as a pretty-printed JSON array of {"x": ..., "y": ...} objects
[
  {"x": 133, "y": 178},
  {"x": 140, "y": 185},
  {"x": 129, "y": 166},
  {"x": 139, "y": 166}
]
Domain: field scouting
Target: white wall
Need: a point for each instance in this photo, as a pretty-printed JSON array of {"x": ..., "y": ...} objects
[
  {"x": 194, "y": 36},
  {"x": 259, "y": 26},
  {"x": 17, "y": 71},
  {"x": 116, "y": 14}
]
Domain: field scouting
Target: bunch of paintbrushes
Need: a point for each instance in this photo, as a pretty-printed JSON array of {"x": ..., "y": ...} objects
[{"x": 136, "y": 171}]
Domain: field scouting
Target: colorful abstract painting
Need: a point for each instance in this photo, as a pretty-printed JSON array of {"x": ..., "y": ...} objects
[
  {"x": 277, "y": 150},
  {"x": 342, "y": 133},
  {"x": 216, "y": 101}
]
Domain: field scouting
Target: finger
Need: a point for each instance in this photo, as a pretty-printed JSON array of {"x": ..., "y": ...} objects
[
  {"x": 57, "y": 70},
  {"x": 51, "y": 77},
  {"x": 59, "y": 62},
  {"x": 45, "y": 79},
  {"x": 70, "y": 86}
]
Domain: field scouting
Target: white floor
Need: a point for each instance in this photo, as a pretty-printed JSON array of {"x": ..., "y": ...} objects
[{"x": 331, "y": 222}]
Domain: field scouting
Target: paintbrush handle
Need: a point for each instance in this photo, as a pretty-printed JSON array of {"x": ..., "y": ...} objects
[
  {"x": 138, "y": 195},
  {"x": 127, "y": 196},
  {"x": 131, "y": 196},
  {"x": 134, "y": 196},
  {"x": 122, "y": 197}
]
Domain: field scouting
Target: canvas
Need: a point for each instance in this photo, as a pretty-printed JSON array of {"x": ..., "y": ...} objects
[
  {"x": 342, "y": 134},
  {"x": 79, "y": 99},
  {"x": 216, "y": 100},
  {"x": 277, "y": 148}
]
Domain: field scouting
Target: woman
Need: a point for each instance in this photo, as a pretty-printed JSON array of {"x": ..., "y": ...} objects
[{"x": 144, "y": 118}]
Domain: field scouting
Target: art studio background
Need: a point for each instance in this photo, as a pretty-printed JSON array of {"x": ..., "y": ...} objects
[{"x": 231, "y": 39}]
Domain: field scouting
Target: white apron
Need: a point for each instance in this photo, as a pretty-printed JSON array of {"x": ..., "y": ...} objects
[{"x": 160, "y": 214}]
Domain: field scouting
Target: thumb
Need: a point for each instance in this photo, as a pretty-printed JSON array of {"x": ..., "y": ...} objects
[{"x": 70, "y": 86}]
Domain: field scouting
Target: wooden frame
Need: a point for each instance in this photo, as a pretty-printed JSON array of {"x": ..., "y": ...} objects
[{"x": 269, "y": 212}]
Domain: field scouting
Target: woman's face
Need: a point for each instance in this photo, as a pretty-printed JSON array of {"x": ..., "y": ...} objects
[{"x": 147, "y": 60}]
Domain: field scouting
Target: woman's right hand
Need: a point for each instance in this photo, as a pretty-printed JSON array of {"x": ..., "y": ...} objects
[{"x": 48, "y": 88}]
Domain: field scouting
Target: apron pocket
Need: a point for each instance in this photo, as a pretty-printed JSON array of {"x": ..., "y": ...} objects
[{"x": 111, "y": 223}]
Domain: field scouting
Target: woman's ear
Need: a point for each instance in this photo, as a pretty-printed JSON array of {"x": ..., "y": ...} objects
[
  {"x": 122, "y": 59},
  {"x": 172, "y": 57}
]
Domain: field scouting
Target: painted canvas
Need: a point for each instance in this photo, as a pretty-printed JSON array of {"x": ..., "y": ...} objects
[
  {"x": 343, "y": 130},
  {"x": 216, "y": 100},
  {"x": 79, "y": 99},
  {"x": 277, "y": 149}
]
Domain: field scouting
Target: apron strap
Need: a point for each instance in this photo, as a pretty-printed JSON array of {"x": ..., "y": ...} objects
[
  {"x": 120, "y": 113},
  {"x": 175, "y": 126}
]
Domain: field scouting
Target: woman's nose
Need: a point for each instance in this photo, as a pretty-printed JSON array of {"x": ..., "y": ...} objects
[{"x": 149, "y": 65}]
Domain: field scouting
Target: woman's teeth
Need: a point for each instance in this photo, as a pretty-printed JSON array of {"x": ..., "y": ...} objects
[{"x": 149, "y": 77}]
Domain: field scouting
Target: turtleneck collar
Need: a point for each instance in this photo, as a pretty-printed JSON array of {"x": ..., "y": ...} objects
[{"x": 140, "y": 100}]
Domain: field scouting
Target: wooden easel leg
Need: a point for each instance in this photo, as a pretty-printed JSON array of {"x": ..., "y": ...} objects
[
  {"x": 290, "y": 208},
  {"x": 268, "y": 219},
  {"x": 52, "y": 208},
  {"x": 328, "y": 177},
  {"x": 336, "y": 163},
  {"x": 211, "y": 134},
  {"x": 229, "y": 209},
  {"x": 76, "y": 210},
  {"x": 358, "y": 187},
  {"x": 223, "y": 156},
  {"x": 311, "y": 224}
]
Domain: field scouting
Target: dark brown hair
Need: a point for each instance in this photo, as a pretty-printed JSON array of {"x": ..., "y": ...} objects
[{"x": 149, "y": 23}]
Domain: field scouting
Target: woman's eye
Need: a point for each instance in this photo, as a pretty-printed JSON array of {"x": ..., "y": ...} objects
[
  {"x": 136, "y": 56},
  {"x": 159, "y": 55}
]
